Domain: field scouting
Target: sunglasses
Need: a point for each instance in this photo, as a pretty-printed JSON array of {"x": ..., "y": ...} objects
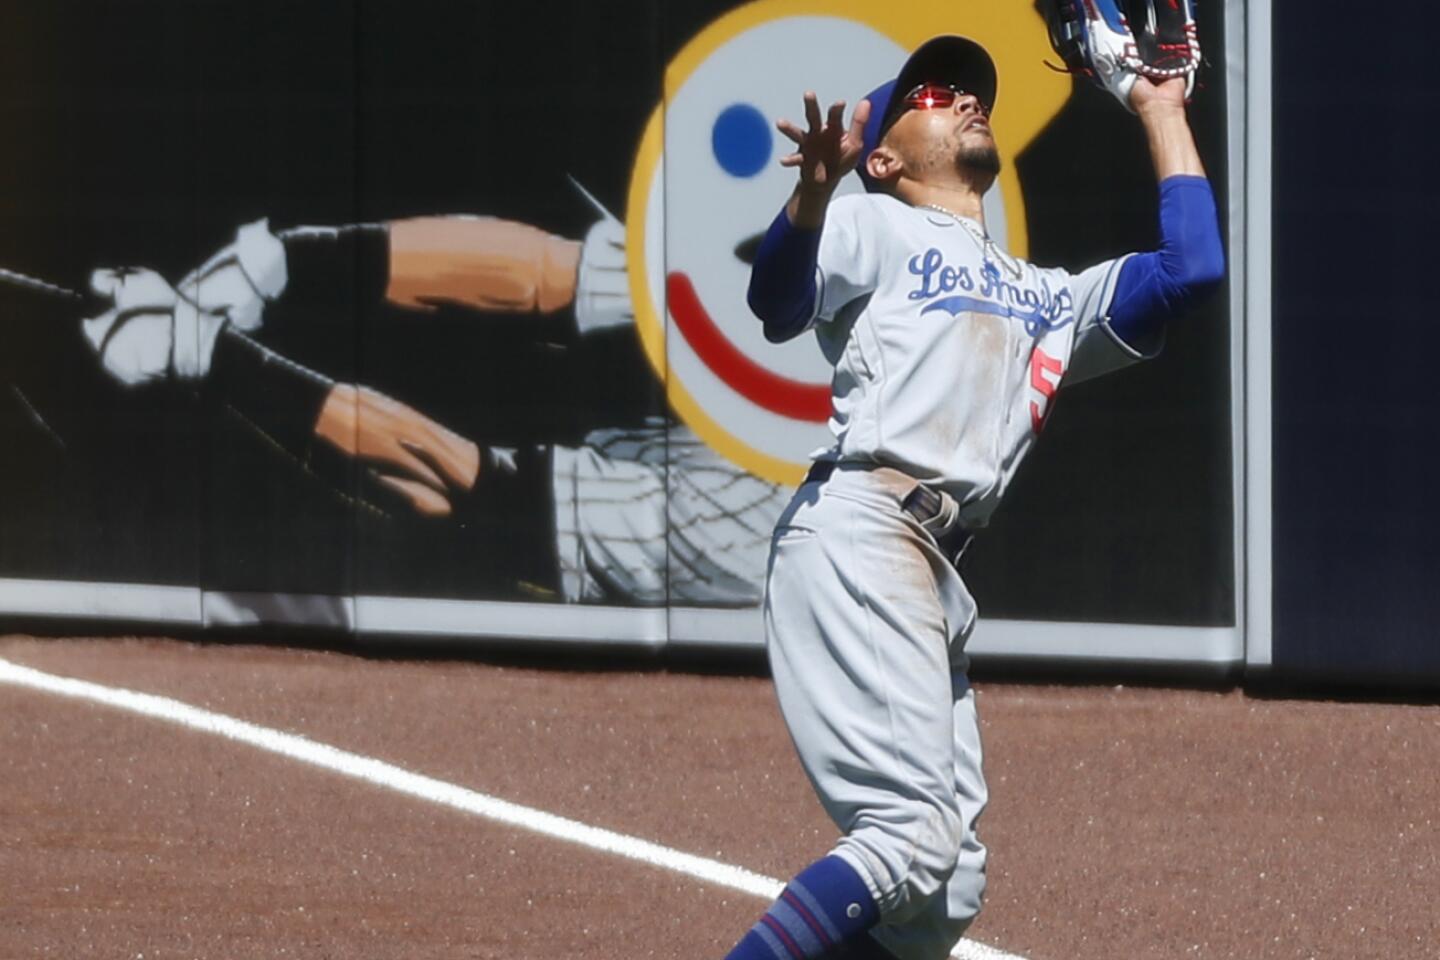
[{"x": 939, "y": 96}]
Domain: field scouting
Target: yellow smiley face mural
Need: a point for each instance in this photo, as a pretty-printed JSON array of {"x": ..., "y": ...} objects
[{"x": 707, "y": 182}]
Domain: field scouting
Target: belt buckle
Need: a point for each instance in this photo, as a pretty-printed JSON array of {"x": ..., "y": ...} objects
[
  {"x": 925, "y": 505},
  {"x": 922, "y": 503}
]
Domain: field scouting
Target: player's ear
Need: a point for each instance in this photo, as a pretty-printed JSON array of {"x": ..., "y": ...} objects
[{"x": 883, "y": 164}]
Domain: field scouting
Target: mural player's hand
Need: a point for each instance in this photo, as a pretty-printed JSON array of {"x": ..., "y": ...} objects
[
  {"x": 410, "y": 453},
  {"x": 827, "y": 150},
  {"x": 602, "y": 286},
  {"x": 149, "y": 332},
  {"x": 241, "y": 278}
]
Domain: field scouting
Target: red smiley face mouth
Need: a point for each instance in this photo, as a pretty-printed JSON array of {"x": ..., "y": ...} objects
[{"x": 770, "y": 391}]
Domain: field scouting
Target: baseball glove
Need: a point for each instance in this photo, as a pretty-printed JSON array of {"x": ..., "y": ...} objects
[{"x": 1115, "y": 41}]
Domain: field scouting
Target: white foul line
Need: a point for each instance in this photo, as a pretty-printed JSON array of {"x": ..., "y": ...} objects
[{"x": 387, "y": 775}]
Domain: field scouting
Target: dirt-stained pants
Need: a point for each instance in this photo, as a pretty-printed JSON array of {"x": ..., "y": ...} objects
[{"x": 865, "y": 625}]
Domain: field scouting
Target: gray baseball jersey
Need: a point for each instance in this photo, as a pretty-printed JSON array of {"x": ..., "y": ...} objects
[{"x": 947, "y": 350}]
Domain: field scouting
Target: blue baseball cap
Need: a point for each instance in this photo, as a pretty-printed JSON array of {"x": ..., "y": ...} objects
[{"x": 943, "y": 59}]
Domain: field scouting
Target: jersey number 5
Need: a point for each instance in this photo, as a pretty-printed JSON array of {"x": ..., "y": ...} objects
[{"x": 1041, "y": 363}]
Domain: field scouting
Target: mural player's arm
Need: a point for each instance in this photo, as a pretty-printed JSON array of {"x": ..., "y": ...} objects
[
  {"x": 478, "y": 263},
  {"x": 482, "y": 263},
  {"x": 321, "y": 276},
  {"x": 486, "y": 264},
  {"x": 502, "y": 266}
]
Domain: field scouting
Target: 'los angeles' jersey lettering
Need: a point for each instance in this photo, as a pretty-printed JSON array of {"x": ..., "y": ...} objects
[
  {"x": 1040, "y": 309},
  {"x": 935, "y": 277}
]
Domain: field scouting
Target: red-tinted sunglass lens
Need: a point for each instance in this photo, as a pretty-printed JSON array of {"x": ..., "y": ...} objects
[
  {"x": 933, "y": 96},
  {"x": 929, "y": 96}
]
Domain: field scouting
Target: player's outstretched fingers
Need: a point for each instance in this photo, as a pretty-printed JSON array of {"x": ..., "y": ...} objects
[
  {"x": 798, "y": 136},
  {"x": 790, "y": 130},
  {"x": 858, "y": 121},
  {"x": 812, "y": 112}
]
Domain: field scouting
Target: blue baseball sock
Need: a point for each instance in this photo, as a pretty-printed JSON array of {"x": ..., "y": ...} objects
[{"x": 824, "y": 912}]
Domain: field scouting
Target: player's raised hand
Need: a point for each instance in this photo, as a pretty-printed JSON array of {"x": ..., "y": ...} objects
[
  {"x": 1151, "y": 94},
  {"x": 1160, "y": 104},
  {"x": 826, "y": 150}
]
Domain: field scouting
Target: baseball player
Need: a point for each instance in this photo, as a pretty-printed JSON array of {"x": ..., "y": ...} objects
[{"x": 948, "y": 353}]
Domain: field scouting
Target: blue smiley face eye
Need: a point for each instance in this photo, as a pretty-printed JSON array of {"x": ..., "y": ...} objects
[{"x": 741, "y": 140}]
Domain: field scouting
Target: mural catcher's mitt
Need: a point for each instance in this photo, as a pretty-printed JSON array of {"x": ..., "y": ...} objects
[{"x": 1114, "y": 41}]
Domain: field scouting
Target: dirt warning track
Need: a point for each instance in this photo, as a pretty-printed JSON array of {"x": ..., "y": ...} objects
[{"x": 1123, "y": 822}]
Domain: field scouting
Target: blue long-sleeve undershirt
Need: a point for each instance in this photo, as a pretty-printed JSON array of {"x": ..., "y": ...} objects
[
  {"x": 782, "y": 280},
  {"x": 1154, "y": 286}
]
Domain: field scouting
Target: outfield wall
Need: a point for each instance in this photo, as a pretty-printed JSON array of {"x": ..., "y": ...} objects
[{"x": 502, "y": 382}]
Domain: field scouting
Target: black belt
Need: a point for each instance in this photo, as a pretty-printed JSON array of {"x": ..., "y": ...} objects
[
  {"x": 923, "y": 504},
  {"x": 820, "y": 471}
]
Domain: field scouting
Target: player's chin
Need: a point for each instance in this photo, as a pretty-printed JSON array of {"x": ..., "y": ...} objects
[{"x": 978, "y": 154}]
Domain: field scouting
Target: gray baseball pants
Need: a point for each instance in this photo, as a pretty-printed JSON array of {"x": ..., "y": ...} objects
[{"x": 865, "y": 626}]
